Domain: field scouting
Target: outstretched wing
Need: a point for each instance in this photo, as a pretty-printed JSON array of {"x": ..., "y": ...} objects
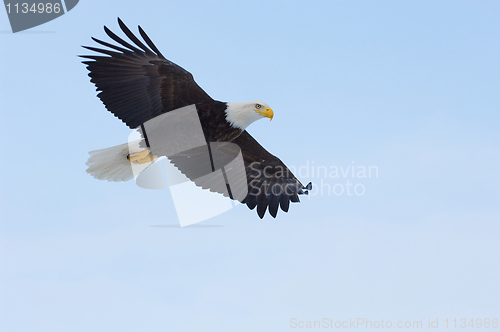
[
  {"x": 264, "y": 183},
  {"x": 270, "y": 183},
  {"x": 136, "y": 82}
]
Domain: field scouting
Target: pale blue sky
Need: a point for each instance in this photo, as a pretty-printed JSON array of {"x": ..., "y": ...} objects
[{"x": 411, "y": 87}]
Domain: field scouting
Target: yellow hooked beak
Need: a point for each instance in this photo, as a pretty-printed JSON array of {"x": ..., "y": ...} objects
[{"x": 268, "y": 113}]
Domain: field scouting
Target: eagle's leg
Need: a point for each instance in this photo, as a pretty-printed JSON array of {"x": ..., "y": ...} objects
[{"x": 141, "y": 157}]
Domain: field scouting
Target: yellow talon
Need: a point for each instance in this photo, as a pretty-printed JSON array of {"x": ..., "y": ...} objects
[{"x": 141, "y": 157}]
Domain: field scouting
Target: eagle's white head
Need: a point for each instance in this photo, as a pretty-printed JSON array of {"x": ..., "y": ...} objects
[{"x": 241, "y": 115}]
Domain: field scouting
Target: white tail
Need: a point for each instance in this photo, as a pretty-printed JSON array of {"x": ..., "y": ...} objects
[{"x": 110, "y": 164}]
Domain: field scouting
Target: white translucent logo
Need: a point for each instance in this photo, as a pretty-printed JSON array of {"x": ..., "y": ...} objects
[{"x": 204, "y": 178}]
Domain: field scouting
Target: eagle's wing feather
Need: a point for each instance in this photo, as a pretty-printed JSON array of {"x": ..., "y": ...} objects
[
  {"x": 137, "y": 83},
  {"x": 270, "y": 183}
]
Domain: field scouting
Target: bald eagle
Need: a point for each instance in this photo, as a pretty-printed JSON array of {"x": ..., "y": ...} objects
[{"x": 137, "y": 83}]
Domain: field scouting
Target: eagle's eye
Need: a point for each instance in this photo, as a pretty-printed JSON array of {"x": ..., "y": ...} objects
[{"x": 257, "y": 106}]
